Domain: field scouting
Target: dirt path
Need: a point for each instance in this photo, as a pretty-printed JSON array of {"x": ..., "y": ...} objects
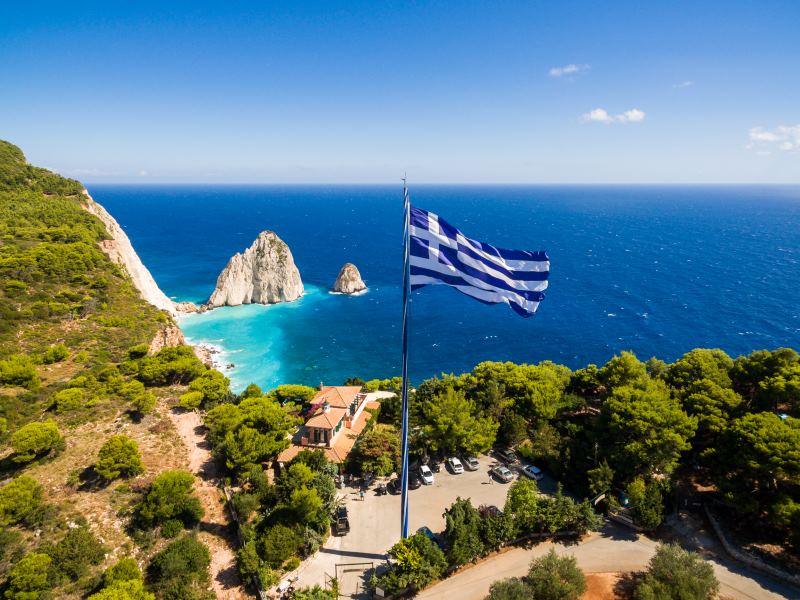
[{"x": 214, "y": 531}]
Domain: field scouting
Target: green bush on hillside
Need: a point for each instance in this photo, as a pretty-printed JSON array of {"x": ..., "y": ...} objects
[
  {"x": 35, "y": 439},
  {"x": 171, "y": 497},
  {"x": 181, "y": 567},
  {"x": 68, "y": 400},
  {"x": 75, "y": 553},
  {"x": 29, "y": 579},
  {"x": 20, "y": 501},
  {"x": 19, "y": 370},
  {"x": 55, "y": 354},
  {"x": 170, "y": 366},
  {"x": 119, "y": 457}
]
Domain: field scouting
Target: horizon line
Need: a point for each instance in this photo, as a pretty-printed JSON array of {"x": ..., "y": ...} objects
[{"x": 448, "y": 183}]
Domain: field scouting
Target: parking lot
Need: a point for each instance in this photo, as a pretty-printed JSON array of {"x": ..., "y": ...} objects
[{"x": 375, "y": 522}]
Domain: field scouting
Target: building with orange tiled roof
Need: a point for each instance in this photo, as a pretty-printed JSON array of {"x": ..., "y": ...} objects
[{"x": 336, "y": 417}]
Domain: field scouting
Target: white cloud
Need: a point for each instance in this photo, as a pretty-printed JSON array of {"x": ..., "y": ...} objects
[
  {"x": 683, "y": 84},
  {"x": 601, "y": 115},
  {"x": 785, "y": 137},
  {"x": 143, "y": 173},
  {"x": 570, "y": 69}
]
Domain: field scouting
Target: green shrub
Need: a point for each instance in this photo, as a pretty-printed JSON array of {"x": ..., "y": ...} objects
[
  {"x": 647, "y": 505},
  {"x": 19, "y": 370},
  {"x": 209, "y": 388},
  {"x": 35, "y": 439},
  {"x": 138, "y": 351},
  {"x": 141, "y": 400},
  {"x": 417, "y": 562},
  {"x": 125, "y": 569},
  {"x": 171, "y": 497},
  {"x": 14, "y": 288},
  {"x": 462, "y": 532},
  {"x": 124, "y": 590},
  {"x": 171, "y": 528},
  {"x": 55, "y": 354},
  {"x": 278, "y": 544},
  {"x": 509, "y": 589},
  {"x": 76, "y": 552},
  {"x": 181, "y": 564},
  {"x": 20, "y": 501},
  {"x": 676, "y": 574},
  {"x": 170, "y": 366},
  {"x": 68, "y": 400},
  {"x": 191, "y": 400},
  {"x": 315, "y": 593},
  {"x": 119, "y": 457},
  {"x": 553, "y": 577},
  {"x": 29, "y": 579}
]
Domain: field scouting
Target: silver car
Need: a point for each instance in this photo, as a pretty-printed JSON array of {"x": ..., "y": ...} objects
[
  {"x": 426, "y": 475},
  {"x": 502, "y": 473},
  {"x": 455, "y": 465},
  {"x": 533, "y": 472}
]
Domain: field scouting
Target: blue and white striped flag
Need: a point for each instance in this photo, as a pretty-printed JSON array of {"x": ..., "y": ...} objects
[{"x": 441, "y": 255}]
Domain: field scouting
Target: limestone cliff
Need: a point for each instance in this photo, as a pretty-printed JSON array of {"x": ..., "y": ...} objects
[
  {"x": 118, "y": 247},
  {"x": 349, "y": 280},
  {"x": 264, "y": 274},
  {"x": 167, "y": 337}
]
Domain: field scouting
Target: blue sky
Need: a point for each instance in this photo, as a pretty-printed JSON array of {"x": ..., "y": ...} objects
[{"x": 533, "y": 91}]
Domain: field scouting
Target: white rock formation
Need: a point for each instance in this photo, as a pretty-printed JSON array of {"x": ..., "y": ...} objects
[
  {"x": 166, "y": 337},
  {"x": 264, "y": 274},
  {"x": 120, "y": 250},
  {"x": 349, "y": 280}
]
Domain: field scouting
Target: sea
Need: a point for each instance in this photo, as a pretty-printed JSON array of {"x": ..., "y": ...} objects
[{"x": 657, "y": 270}]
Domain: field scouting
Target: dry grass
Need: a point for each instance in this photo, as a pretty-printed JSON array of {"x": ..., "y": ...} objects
[{"x": 106, "y": 509}]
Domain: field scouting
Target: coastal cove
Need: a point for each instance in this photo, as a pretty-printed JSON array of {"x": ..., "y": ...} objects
[{"x": 657, "y": 270}]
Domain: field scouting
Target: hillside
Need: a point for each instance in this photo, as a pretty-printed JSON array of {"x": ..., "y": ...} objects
[{"x": 76, "y": 375}]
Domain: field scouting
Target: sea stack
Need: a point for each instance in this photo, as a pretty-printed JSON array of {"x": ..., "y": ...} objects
[
  {"x": 349, "y": 280},
  {"x": 264, "y": 274}
]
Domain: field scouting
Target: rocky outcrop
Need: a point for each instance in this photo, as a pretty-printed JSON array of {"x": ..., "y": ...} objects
[
  {"x": 189, "y": 307},
  {"x": 119, "y": 249},
  {"x": 167, "y": 337},
  {"x": 264, "y": 274},
  {"x": 349, "y": 280}
]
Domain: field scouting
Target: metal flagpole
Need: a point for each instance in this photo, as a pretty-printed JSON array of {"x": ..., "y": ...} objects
[{"x": 404, "y": 434}]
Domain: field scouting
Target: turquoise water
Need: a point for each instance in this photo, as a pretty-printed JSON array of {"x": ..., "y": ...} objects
[{"x": 656, "y": 270}]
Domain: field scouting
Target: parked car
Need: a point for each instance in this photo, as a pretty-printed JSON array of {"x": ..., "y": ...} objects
[
  {"x": 470, "y": 463},
  {"x": 426, "y": 475},
  {"x": 393, "y": 487},
  {"x": 508, "y": 456},
  {"x": 502, "y": 473},
  {"x": 533, "y": 472},
  {"x": 342, "y": 523},
  {"x": 455, "y": 465}
]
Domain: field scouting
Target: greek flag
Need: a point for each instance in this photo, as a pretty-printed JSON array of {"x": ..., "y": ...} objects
[{"x": 441, "y": 255}]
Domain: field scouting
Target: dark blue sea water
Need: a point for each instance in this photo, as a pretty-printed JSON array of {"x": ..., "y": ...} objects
[{"x": 656, "y": 270}]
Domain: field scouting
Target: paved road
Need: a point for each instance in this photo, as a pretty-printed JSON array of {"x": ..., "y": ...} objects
[
  {"x": 375, "y": 528},
  {"x": 375, "y": 522},
  {"x": 615, "y": 549}
]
